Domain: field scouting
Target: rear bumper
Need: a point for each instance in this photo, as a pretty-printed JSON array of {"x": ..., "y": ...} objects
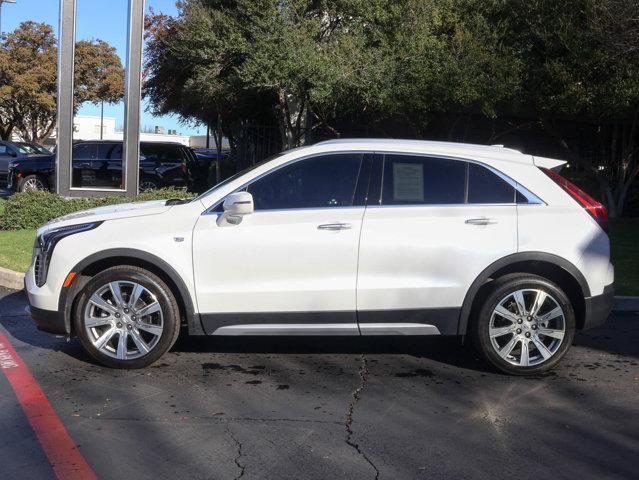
[
  {"x": 598, "y": 307},
  {"x": 49, "y": 320}
]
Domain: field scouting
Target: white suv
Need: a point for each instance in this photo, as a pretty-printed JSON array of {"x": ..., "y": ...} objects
[{"x": 348, "y": 237}]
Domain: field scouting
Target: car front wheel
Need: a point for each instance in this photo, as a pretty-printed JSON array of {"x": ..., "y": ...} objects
[
  {"x": 126, "y": 317},
  {"x": 525, "y": 326},
  {"x": 32, "y": 182}
]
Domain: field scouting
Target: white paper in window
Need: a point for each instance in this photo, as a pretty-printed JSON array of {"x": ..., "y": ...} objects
[{"x": 408, "y": 182}]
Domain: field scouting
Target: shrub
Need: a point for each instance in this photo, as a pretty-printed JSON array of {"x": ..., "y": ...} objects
[{"x": 32, "y": 209}]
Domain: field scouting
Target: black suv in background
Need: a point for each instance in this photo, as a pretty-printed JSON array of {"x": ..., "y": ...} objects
[
  {"x": 11, "y": 151},
  {"x": 98, "y": 164}
]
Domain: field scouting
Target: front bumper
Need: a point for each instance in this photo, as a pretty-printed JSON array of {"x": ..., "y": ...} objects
[
  {"x": 49, "y": 320},
  {"x": 599, "y": 307},
  {"x": 44, "y": 307}
]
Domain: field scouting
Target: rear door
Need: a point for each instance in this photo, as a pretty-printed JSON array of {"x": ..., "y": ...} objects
[
  {"x": 84, "y": 157},
  {"x": 108, "y": 165},
  {"x": 431, "y": 227}
]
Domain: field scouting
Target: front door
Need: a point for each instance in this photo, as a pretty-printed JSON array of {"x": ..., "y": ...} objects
[
  {"x": 292, "y": 264},
  {"x": 433, "y": 226}
]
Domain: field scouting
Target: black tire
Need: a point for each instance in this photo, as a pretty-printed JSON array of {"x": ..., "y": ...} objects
[
  {"x": 149, "y": 183},
  {"x": 32, "y": 182},
  {"x": 500, "y": 291},
  {"x": 161, "y": 343}
]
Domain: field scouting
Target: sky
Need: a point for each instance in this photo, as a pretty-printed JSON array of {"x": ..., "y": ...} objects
[{"x": 106, "y": 20}]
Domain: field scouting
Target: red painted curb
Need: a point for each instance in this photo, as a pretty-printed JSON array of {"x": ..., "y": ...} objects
[{"x": 65, "y": 458}]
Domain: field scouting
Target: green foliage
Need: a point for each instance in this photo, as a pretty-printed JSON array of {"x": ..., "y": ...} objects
[
  {"x": 33, "y": 208},
  {"x": 235, "y": 61}
]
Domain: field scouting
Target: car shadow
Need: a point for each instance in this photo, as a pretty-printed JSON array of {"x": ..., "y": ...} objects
[{"x": 620, "y": 336}]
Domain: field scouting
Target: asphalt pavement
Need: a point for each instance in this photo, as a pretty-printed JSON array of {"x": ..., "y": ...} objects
[{"x": 317, "y": 408}]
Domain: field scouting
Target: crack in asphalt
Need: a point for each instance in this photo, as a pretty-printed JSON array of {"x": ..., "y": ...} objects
[
  {"x": 356, "y": 395},
  {"x": 205, "y": 420},
  {"x": 238, "y": 444}
]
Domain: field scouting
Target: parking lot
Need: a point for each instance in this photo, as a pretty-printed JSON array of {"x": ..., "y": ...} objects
[{"x": 329, "y": 408}]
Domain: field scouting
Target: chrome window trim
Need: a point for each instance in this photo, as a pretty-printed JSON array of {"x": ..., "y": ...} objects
[{"x": 530, "y": 197}]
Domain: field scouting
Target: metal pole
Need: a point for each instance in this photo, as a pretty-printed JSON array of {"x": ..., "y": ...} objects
[
  {"x": 102, "y": 120},
  {"x": 133, "y": 98},
  {"x": 208, "y": 133},
  {"x": 66, "y": 53}
]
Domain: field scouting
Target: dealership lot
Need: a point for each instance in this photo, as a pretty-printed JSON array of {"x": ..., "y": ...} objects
[{"x": 330, "y": 407}]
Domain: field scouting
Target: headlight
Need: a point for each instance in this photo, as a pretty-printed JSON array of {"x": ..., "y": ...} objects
[{"x": 46, "y": 242}]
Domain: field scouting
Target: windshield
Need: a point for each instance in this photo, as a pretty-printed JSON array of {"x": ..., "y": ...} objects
[{"x": 32, "y": 149}]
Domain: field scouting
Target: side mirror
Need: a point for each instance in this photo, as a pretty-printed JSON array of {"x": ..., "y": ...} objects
[
  {"x": 12, "y": 153},
  {"x": 238, "y": 204}
]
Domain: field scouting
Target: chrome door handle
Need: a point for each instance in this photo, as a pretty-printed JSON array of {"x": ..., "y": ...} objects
[
  {"x": 334, "y": 226},
  {"x": 481, "y": 221}
]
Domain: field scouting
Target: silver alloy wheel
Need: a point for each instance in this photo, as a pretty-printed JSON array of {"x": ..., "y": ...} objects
[
  {"x": 147, "y": 185},
  {"x": 33, "y": 184},
  {"x": 123, "y": 320},
  {"x": 527, "y": 327}
]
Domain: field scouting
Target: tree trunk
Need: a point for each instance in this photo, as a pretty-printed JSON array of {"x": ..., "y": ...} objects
[{"x": 291, "y": 116}]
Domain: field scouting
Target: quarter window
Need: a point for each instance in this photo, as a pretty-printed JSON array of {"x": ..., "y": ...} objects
[
  {"x": 485, "y": 186},
  {"x": 319, "y": 182},
  {"x": 416, "y": 180}
]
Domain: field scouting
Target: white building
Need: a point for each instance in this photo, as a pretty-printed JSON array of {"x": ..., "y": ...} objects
[{"x": 87, "y": 127}]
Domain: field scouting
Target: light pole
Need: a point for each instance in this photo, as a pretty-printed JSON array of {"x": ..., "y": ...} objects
[{"x": 2, "y": 2}]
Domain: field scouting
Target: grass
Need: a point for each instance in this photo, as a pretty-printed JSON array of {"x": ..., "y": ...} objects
[
  {"x": 624, "y": 241},
  {"x": 16, "y": 247}
]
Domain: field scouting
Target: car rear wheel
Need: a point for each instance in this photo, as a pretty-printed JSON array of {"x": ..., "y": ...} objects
[
  {"x": 126, "y": 317},
  {"x": 147, "y": 184},
  {"x": 32, "y": 182},
  {"x": 525, "y": 326}
]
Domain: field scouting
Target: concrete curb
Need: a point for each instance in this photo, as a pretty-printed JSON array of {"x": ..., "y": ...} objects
[
  {"x": 11, "y": 279},
  {"x": 15, "y": 281}
]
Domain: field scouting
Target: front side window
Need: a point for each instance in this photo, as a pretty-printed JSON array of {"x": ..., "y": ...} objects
[
  {"x": 417, "y": 180},
  {"x": 326, "y": 181}
]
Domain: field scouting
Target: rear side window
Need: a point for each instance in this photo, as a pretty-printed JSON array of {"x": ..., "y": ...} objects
[
  {"x": 422, "y": 180},
  {"x": 416, "y": 180},
  {"x": 85, "y": 151},
  {"x": 484, "y": 186},
  {"x": 110, "y": 151},
  {"x": 326, "y": 181},
  {"x": 162, "y": 153}
]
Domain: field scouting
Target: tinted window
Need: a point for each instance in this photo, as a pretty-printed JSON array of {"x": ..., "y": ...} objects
[
  {"x": 110, "y": 151},
  {"x": 84, "y": 151},
  {"x": 161, "y": 153},
  {"x": 415, "y": 180},
  {"x": 3, "y": 149},
  {"x": 485, "y": 186},
  {"x": 318, "y": 182}
]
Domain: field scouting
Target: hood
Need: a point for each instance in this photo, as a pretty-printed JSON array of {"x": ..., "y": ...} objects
[{"x": 109, "y": 212}]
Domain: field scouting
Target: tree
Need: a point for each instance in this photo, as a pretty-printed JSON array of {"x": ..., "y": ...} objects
[
  {"x": 323, "y": 60},
  {"x": 581, "y": 64},
  {"x": 28, "y": 87}
]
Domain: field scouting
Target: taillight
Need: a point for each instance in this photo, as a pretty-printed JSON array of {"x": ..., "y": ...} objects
[
  {"x": 592, "y": 206},
  {"x": 184, "y": 167}
]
